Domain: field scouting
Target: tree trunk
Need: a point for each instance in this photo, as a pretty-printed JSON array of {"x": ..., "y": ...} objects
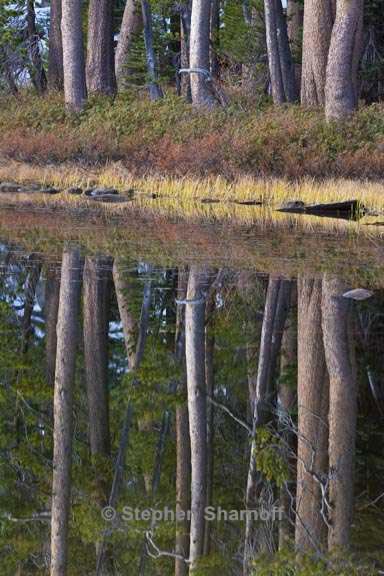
[
  {"x": 155, "y": 92},
  {"x": 199, "y": 54},
  {"x": 6, "y": 66},
  {"x": 75, "y": 92},
  {"x": 185, "y": 27},
  {"x": 286, "y": 62},
  {"x": 344, "y": 57},
  {"x": 131, "y": 27},
  {"x": 287, "y": 400},
  {"x": 38, "y": 76},
  {"x": 275, "y": 314},
  {"x": 318, "y": 22},
  {"x": 295, "y": 25},
  {"x": 100, "y": 51},
  {"x": 339, "y": 355},
  {"x": 55, "y": 52},
  {"x": 313, "y": 392},
  {"x": 52, "y": 295},
  {"x": 67, "y": 328},
  {"x": 214, "y": 38},
  {"x": 197, "y": 407},
  {"x": 183, "y": 448},
  {"x": 276, "y": 78}
]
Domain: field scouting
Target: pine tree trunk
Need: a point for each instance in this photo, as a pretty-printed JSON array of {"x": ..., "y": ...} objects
[
  {"x": 73, "y": 55},
  {"x": 197, "y": 408},
  {"x": 275, "y": 73},
  {"x": 318, "y": 22},
  {"x": 199, "y": 54},
  {"x": 100, "y": 51},
  {"x": 67, "y": 330},
  {"x": 286, "y": 62},
  {"x": 131, "y": 27},
  {"x": 155, "y": 92},
  {"x": 339, "y": 355},
  {"x": 313, "y": 402},
  {"x": 55, "y": 53},
  {"x": 343, "y": 60}
]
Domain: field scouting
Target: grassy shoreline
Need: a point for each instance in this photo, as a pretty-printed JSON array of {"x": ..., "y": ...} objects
[{"x": 168, "y": 138}]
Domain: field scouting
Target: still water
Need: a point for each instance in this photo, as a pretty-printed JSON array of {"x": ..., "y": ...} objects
[{"x": 190, "y": 400}]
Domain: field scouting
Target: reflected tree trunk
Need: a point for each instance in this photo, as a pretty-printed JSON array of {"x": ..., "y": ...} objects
[
  {"x": 30, "y": 286},
  {"x": 313, "y": 402},
  {"x": 339, "y": 355},
  {"x": 52, "y": 294},
  {"x": 67, "y": 331},
  {"x": 210, "y": 388},
  {"x": 197, "y": 408},
  {"x": 183, "y": 448}
]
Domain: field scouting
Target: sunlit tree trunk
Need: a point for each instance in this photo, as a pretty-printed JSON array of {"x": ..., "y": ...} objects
[
  {"x": 199, "y": 53},
  {"x": 343, "y": 61},
  {"x": 183, "y": 448},
  {"x": 318, "y": 22},
  {"x": 75, "y": 92},
  {"x": 55, "y": 52},
  {"x": 131, "y": 27},
  {"x": 339, "y": 355},
  {"x": 313, "y": 402},
  {"x": 100, "y": 51},
  {"x": 197, "y": 408},
  {"x": 67, "y": 331}
]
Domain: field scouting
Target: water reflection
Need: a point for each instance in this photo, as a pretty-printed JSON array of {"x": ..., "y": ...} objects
[{"x": 187, "y": 420}]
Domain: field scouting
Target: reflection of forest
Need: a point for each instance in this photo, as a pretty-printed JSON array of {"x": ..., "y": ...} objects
[{"x": 125, "y": 384}]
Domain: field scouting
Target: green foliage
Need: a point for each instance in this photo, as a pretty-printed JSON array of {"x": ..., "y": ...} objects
[{"x": 269, "y": 459}]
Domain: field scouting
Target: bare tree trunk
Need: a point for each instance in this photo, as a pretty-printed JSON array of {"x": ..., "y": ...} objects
[
  {"x": 286, "y": 62},
  {"x": 313, "y": 402},
  {"x": 339, "y": 355},
  {"x": 199, "y": 54},
  {"x": 197, "y": 407},
  {"x": 75, "y": 92},
  {"x": 287, "y": 400},
  {"x": 38, "y": 76},
  {"x": 318, "y": 22},
  {"x": 55, "y": 53},
  {"x": 344, "y": 57},
  {"x": 100, "y": 51},
  {"x": 155, "y": 92},
  {"x": 275, "y": 314},
  {"x": 6, "y": 66},
  {"x": 277, "y": 86},
  {"x": 183, "y": 448},
  {"x": 67, "y": 329},
  {"x": 131, "y": 27},
  {"x": 185, "y": 26},
  {"x": 52, "y": 295}
]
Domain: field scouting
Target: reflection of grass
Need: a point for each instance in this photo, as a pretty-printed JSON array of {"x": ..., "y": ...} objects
[
  {"x": 185, "y": 197},
  {"x": 174, "y": 242}
]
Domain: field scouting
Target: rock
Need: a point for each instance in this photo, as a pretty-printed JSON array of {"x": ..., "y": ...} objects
[
  {"x": 110, "y": 198},
  {"x": 10, "y": 187},
  {"x": 74, "y": 191},
  {"x": 248, "y": 202},
  {"x": 358, "y": 294},
  {"x": 347, "y": 210},
  {"x": 50, "y": 190},
  {"x": 210, "y": 200},
  {"x": 294, "y": 204},
  {"x": 100, "y": 191}
]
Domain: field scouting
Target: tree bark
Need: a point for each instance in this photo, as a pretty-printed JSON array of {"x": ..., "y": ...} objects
[
  {"x": 285, "y": 56},
  {"x": 339, "y": 355},
  {"x": 131, "y": 27},
  {"x": 275, "y": 74},
  {"x": 52, "y": 296},
  {"x": 75, "y": 92},
  {"x": 100, "y": 50},
  {"x": 183, "y": 448},
  {"x": 155, "y": 92},
  {"x": 344, "y": 57},
  {"x": 318, "y": 22},
  {"x": 38, "y": 76},
  {"x": 199, "y": 54},
  {"x": 55, "y": 53},
  {"x": 313, "y": 402},
  {"x": 197, "y": 408},
  {"x": 185, "y": 27},
  {"x": 67, "y": 329}
]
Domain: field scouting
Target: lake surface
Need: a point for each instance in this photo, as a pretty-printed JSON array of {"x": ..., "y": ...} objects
[{"x": 181, "y": 397}]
